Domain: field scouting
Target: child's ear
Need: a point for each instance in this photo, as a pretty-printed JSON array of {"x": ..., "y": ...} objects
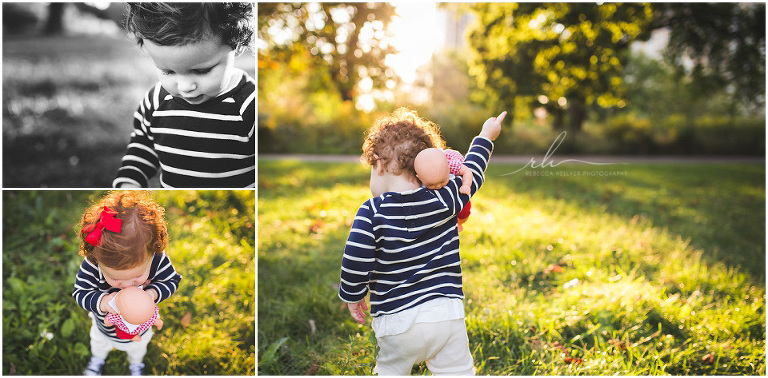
[
  {"x": 240, "y": 50},
  {"x": 379, "y": 168}
]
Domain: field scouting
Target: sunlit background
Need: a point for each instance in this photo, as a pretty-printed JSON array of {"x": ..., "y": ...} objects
[{"x": 625, "y": 78}]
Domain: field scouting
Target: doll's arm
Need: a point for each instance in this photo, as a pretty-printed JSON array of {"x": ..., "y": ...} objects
[
  {"x": 466, "y": 179},
  {"x": 158, "y": 323},
  {"x": 106, "y": 321}
]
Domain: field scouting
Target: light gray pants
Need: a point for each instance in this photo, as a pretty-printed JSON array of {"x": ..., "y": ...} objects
[
  {"x": 443, "y": 345},
  {"x": 101, "y": 345}
]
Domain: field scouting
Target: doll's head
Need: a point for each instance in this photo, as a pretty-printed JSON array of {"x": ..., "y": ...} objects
[
  {"x": 432, "y": 168},
  {"x": 395, "y": 139},
  {"x": 121, "y": 233},
  {"x": 135, "y": 305}
]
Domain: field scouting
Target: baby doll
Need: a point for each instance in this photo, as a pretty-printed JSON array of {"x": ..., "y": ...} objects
[
  {"x": 434, "y": 166},
  {"x": 136, "y": 312}
]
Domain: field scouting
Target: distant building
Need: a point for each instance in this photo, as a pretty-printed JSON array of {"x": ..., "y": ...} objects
[{"x": 454, "y": 24}]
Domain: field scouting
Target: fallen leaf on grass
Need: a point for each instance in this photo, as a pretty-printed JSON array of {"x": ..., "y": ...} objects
[
  {"x": 618, "y": 344},
  {"x": 187, "y": 319},
  {"x": 313, "y": 369},
  {"x": 552, "y": 268},
  {"x": 708, "y": 359},
  {"x": 316, "y": 226},
  {"x": 573, "y": 360}
]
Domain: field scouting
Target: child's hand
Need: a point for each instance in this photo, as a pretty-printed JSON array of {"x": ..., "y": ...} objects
[
  {"x": 104, "y": 306},
  {"x": 466, "y": 179},
  {"x": 152, "y": 293},
  {"x": 492, "y": 126},
  {"x": 357, "y": 310}
]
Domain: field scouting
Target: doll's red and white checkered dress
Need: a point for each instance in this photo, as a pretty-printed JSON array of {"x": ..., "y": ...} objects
[
  {"x": 121, "y": 330},
  {"x": 455, "y": 160}
]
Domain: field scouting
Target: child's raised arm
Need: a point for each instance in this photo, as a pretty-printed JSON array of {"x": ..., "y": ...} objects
[{"x": 476, "y": 162}]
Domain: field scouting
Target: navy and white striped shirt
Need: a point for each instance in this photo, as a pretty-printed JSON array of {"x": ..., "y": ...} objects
[
  {"x": 193, "y": 146},
  {"x": 404, "y": 247},
  {"x": 90, "y": 285}
]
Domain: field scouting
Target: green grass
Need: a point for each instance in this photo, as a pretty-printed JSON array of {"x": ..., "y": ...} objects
[
  {"x": 211, "y": 245},
  {"x": 68, "y": 104},
  {"x": 657, "y": 271}
]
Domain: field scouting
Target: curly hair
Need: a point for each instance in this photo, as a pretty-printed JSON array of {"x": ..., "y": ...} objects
[
  {"x": 395, "y": 140},
  {"x": 143, "y": 232},
  {"x": 178, "y": 24}
]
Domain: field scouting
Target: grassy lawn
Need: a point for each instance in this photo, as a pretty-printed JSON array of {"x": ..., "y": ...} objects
[
  {"x": 68, "y": 104},
  {"x": 209, "y": 321},
  {"x": 657, "y": 270}
]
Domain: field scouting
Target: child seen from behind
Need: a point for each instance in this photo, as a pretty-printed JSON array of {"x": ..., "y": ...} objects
[{"x": 403, "y": 249}]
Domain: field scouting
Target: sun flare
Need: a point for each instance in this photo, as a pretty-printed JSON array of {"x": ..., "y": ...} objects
[{"x": 414, "y": 34}]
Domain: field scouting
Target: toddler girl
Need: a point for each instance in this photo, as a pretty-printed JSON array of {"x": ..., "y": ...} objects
[
  {"x": 123, "y": 244},
  {"x": 403, "y": 249}
]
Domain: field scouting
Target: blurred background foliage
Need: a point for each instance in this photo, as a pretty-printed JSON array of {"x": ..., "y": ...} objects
[
  {"x": 72, "y": 80},
  {"x": 635, "y": 78},
  {"x": 209, "y": 321}
]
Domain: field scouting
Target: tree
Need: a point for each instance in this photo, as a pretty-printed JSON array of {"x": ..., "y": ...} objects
[
  {"x": 563, "y": 56},
  {"x": 721, "y": 45},
  {"x": 345, "y": 41}
]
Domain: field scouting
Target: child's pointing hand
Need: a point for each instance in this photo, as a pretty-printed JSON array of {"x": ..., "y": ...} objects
[
  {"x": 492, "y": 126},
  {"x": 357, "y": 310}
]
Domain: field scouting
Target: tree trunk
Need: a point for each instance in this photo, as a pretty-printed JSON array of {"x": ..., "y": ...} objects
[
  {"x": 55, "y": 22},
  {"x": 558, "y": 113},
  {"x": 578, "y": 112}
]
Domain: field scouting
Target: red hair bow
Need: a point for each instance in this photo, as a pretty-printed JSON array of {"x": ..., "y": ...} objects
[{"x": 106, "y": 220}]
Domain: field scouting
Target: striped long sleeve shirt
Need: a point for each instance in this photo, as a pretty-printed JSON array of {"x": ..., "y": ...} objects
[
  {"x": 193, "y": 146},
  {"x": 403, "y": 247},
  {"x": 90, "y": 286}
]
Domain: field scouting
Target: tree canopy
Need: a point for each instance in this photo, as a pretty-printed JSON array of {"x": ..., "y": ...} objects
[
  {"x": 720, "y": 44},
  {"x": 343, "y": 42},
  {"x": 559, "y": 55}
]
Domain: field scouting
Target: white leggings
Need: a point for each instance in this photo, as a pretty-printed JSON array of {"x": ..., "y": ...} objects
[
  {"x": 101, "y": 345},
  {"x": 443, "y": 345}
]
